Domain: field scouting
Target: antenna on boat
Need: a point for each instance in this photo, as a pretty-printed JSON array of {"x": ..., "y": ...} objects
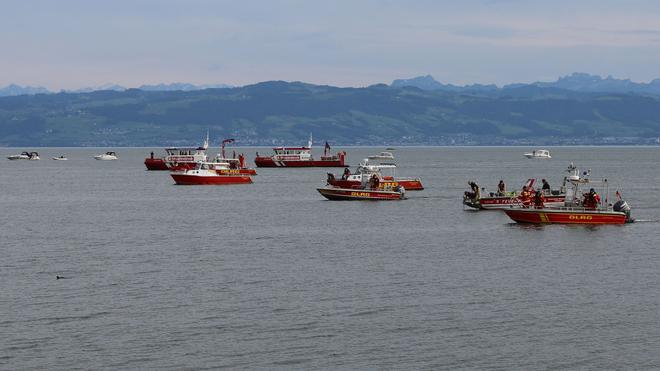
[
  {"x": 309, "y": 144},
  {"x": 206, "y": 142}
]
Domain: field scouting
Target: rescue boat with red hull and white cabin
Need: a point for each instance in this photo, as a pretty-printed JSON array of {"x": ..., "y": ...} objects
[
  {"x": 385, "y": 172},
  {"x": 300, "y": 157},
  {"x": 178, "y": 158},
  {"x": 209, "y": 173},
  {"x": 372, "y": 189},
  {"x": 588, "y": 210}
]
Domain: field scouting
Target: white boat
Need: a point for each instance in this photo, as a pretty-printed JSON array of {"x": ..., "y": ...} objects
[
  {"x": 22, "y": 156},
  {"x": 108, "y": 156},
  {"x": 25, "y": 156},
  {"x": 539, "y": 153},
  {"x": 61, "y": 158},
  {"x": 382, "y": 156}
]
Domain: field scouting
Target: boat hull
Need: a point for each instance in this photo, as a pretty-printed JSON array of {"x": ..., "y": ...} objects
[
  {"x": 269, "y": 162},
  {"x": 558, "y": 216},
  {"x": 408, "y": 184},
  {"x": 349, "y": 194},
  {"x": 155, "y": 164},
  {"x": 190, "y": 179},
  {"x": 181, "y": 167}
]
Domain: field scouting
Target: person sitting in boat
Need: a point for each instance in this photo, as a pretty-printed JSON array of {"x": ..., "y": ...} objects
[
  {"x": 525, "y": 196},
  {"x": 474, "y": 195},
  {"x": 347, "y": 173},
  {"x": 501, "y": 188},
  {"x": 546, "y": 186},
  {"x": 591, "y": 200},
  {"x": 538, "y": 199},
  {"x": 374, "y": 181}
]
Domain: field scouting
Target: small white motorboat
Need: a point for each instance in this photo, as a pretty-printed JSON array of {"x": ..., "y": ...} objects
[
  {"x": 539, "y": 153},
  {"x": 108, "y": 156},
  {"x": 382, "y": 156},
  {"x": 34, "y": 156},
  {"x": 22, "y": 156},
  {"x": 61, "y": 158}
]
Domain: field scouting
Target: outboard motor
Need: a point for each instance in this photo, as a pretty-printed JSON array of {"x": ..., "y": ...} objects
[{"x": 623, "y": 207}]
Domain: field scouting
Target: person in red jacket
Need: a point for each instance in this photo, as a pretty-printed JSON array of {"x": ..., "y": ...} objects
[
  {"x": 525, "y": 196},
  {"x": 591, "y": 200}
]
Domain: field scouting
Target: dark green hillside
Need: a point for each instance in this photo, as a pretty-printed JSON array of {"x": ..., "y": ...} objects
[{"x": 280, "y": 112}]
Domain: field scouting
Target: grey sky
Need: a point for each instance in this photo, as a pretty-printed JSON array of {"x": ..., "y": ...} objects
[{"x": 72, "y": 44}]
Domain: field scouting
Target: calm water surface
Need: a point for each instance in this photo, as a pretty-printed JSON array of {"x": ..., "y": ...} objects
[{"x": 273, "y": 276}]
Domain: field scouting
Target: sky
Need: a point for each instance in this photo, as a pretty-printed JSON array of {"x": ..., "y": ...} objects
[{"x": 69, "y": 44}]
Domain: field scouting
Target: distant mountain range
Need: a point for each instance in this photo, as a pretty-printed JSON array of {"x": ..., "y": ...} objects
[
  {"x": 581, "y": 82},
  {"x": 14, "y": 90},
  {"x": 278, "y": 112}
]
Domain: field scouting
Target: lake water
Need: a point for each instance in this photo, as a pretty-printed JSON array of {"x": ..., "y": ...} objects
[{"x": 273, "y": 276}]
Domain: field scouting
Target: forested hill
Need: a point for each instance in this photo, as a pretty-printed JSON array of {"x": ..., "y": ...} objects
[{"x": 280, "y": 112}]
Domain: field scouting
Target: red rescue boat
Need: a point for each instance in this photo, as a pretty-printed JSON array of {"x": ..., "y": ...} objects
[
  {"x": 566, "y": 216},
  {"x": 579, "y": 208},
  {"x": 178, "y": 158},
  {"x": 209, "y": 173},
  {"x": 371, "y": 190},
  {"x": 155, "y": 163},
  {"x": 300, "y": 157},
  {"x": 367, "y": 171}
]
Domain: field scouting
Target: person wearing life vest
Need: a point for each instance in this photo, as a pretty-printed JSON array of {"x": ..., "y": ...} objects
[
  {"x": 538, "y": 199},
  {"x": 525, "y": 196},
  {"x": 591, "y": 200},
  {"x": 374, "y": 181},
  {"x": 241, "y": 161}
]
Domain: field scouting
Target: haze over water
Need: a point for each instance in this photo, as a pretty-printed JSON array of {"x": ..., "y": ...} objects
[{"x": 271, "y": 275}]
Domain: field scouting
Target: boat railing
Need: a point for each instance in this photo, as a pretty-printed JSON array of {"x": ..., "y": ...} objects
[{"x": 569, "y": 208}]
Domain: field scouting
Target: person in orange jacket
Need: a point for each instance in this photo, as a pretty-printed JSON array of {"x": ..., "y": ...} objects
[{"x": 591, "y": 200}]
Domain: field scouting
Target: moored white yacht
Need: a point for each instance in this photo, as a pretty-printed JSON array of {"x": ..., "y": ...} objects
[
  {"x": 539, "y": 153},
  {"x": 108, "y": 156},
  {"x": 382, "y": 156}
]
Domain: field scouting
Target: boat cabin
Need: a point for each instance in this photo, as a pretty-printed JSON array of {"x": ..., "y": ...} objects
[
  {"x": 292, "y": 154},
  {"x": 187, "y": 154}
]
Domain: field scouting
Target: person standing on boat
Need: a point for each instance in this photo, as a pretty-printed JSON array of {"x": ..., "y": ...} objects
[
  {"x": 474, "y": 195},
  {"x": 546, "y": 185},
  {"x": 591, "y": 199},
  {"x": 347, "y": 173},
  {"x": 539, "y": 199},
  {"x": 525, "y": 196},
  {"x": 374, "y": 182},
  {"x": 501, "y": 188}
]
